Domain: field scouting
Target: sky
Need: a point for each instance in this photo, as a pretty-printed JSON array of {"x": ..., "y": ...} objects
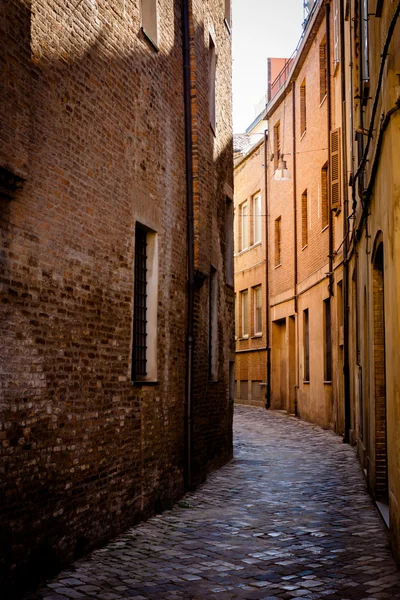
[{"x": 260, "y": 29}]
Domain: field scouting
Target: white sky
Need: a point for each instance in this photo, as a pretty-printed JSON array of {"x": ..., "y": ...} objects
[{"x": 260, "y": 29}]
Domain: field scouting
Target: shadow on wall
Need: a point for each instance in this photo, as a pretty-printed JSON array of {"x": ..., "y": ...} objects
[{"x": 95, "y": 128}]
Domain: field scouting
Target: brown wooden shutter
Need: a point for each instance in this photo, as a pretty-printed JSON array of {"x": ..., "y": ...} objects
[
  {"x": 149, "y": 20},
  {"x": 277, "y": 145},
  {"x": 322, "y": 71},
  {"x": 335, "y": 169},
  {"x": 303, "y": 110}
]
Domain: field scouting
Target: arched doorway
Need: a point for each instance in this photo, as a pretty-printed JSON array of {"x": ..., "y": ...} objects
[{"x": 381, "y": 467}]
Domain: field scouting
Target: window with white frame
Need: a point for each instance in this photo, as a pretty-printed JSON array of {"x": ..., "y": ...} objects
[
  {"x": 244, "y": 300},
  {"x": 257, "y": 302},
  {"x": 244, "y": 226},
  {"x": 257, "y": 219},
  {"x": 144, "y": 343}
]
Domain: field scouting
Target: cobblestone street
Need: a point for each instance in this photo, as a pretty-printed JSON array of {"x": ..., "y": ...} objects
[{"x": 289, "y": 517}]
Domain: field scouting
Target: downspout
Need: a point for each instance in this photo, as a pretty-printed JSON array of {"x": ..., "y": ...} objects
[
  {"x": 329, "y": 125},
  {"x": 346, "y": 367},
  {"x": 296, "y": 387},
  {"x": 268, "y": 390},
  {"x": 190, "y": 235}
]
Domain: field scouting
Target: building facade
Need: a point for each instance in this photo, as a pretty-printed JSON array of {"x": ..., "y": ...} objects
[
  {"x": 116, "y": 268},
  {"x": 250, "y": 276},
  {"x": 332, "y": 203}
]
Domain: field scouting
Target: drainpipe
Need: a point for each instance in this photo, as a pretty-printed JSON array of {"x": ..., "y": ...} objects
[
  {"x": 346, "y": 367},
  {"x": 190, "y": 235},
  {"x": 296, "y": 387},
  {"x": 268, "y": 390},
  {"x": 329, "y": 125}
]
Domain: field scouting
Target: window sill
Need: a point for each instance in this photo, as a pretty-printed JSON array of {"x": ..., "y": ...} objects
[
  {"x": 139, "y": 383},
  {"x": 229, "y": 28},
  {"x": 306, "y": 381},
  {"x": 256, "y": 335},
  {"x": 153, "y": 44},
  {"x": 277, "y": 266},
  {"x": 248, "y": 248},
  {"x": 325, "y": 228},
  {"x": 304, "y": 247},
  {"x": 244, "y": 337},
  {"x": 213, "y": 381},
  {"x": 213, "y": 129},
  {"x": 327, "y": 382},
  {"x": 323, "y": 100},
  {"x": 303, "y": 134}
]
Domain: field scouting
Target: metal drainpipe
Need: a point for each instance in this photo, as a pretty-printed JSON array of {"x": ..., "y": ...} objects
[
  {"x": 346, "y": 366},
  {"x": 296, "y": 387},
  {"x": 190, "y": 235},
  {"x": 268, "y": 390},
  {"x": 329, "y": 125}
]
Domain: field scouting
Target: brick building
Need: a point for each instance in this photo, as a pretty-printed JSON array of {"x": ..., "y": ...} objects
[
  {"x": 250, "y": 274},
  {"x": 116, "y": 345}
]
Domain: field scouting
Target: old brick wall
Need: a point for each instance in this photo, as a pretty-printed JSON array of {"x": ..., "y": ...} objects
[
  {"x": 212, "y": 154},
  {"x": 93, "y": 121}
]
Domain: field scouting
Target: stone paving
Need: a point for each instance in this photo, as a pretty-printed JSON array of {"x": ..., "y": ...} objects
[{"x": 288, "y": 518}]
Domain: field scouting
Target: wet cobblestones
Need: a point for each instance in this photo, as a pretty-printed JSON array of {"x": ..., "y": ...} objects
[{"x": 288, "y": 518}]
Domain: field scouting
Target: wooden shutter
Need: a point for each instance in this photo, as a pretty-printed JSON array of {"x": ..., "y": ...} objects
[
  {"x": 335, "y": 169},
  {"x": 322, "y": 71},
  {"x": 149, "y": 20},
  {"x": 303, "y": 109}
]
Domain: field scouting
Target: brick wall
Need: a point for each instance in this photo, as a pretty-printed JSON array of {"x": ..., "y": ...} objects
[{"x": 93, "y": 125}]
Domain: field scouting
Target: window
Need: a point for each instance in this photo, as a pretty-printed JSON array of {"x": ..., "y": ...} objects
[
  {"x": 244, "y": 226},
  {"x": 213, "y": 326},
  {"x": 324, "y": 196},
  {"x": 335, "y": 169},
  {"x": 212, "y": 63},
  {"x": 149, "y": 20},
  {"x": 257, "y": 300},
  {"x": 303, "y": 109},
  {"x": 257, "y": 219},
  {"x": 277, "y": 144},
  {"x": 365, "y": 49},
  {"x": 228, "y": 14},
  {"x": 235, "y": 316},
  {"x": 306, "y": 346},
  {"x": 245, "y": 313},
  {"x": 336, "y": 32},
  {"x": 278, "y": 241},
  {"x": 327, "y": 341},
  {"x": 144, "y": 346},
  {"x": 304, "y": 219},
  {"x": 322, "y": 71},
  {"x": 229, "y": 241}
]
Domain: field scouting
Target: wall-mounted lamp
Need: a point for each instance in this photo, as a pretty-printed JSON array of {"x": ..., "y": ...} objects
[{"x": 282, "y": 173}]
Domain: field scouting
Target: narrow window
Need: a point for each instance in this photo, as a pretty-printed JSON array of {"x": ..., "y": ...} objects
[
  {"x": 327, "y": 340},
  {"x": 229, "y": 241},
  {"x": 322, "y": 71},
  {"x": 244, "y": 226},
  {"x": 304, "y": 219},
  {"x": 213, "y": 326},
  {"x": 335, "y": 170},
  {"x": 144, "y": 345},
  {"x": 228, "y": 14},
  {"x": 149, "y": 20},
  {"x": 245, "y": 313},
  {"x": 336, "y": 32},
  {"x": 212, "y": 63},
  {"x": 278, "y": 241},
  {"x": 277, "y": 144},
  {"x": 257, "y": 219},
  {"x": 306, "y": 345},
  {"x": 303, "y": 108},
  {"x": 235, "y": 316},
  {"x": 324, "y": 195},
  {"x": 257, "y": 299},
  {"x": 365, "y": 45}
]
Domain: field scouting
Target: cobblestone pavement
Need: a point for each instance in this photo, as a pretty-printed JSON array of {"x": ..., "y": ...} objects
[{"x": 288, "y": 518}]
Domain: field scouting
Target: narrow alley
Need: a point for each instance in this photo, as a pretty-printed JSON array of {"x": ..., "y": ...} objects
[{"x": 289, "y": 517}]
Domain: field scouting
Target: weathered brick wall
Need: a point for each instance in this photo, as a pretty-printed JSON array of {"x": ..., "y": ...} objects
[
  {"x": 93, "y": 120},
  {"x": 212, "y": 154}
]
